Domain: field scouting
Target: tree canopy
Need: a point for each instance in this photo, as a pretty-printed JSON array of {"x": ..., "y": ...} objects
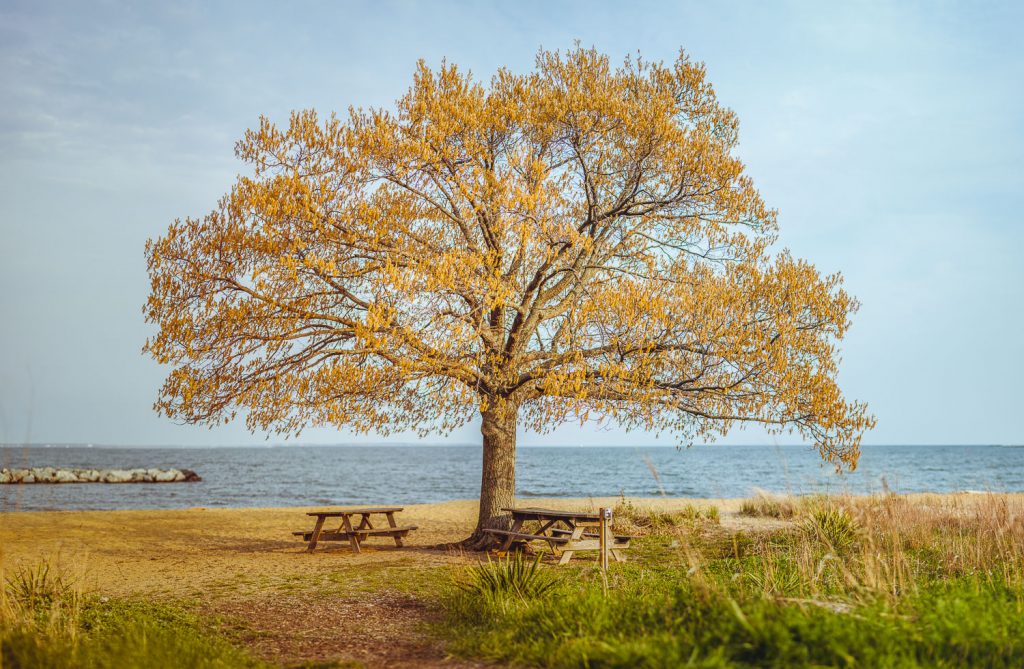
[{"x": 574, "y": 242}]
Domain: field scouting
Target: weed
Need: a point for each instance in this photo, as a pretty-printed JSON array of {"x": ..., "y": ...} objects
[
  {"x": 833, "y": 526},
  {"x": 41, "y": 599},
  {"x": 514, "y": 575},
  {"x": 881, "y": 581},
  {"x": 39, "y": 585},
  {"x": 47, "y": 622}
]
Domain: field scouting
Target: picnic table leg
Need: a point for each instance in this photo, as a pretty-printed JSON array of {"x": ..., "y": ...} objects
[
  {"x": 393, "y": 523},
  {"x": 352, "y": 538},
  {"x": 618, "y": 555},
  {"x": 542, "y": 532},
  {"x": 315, "y": 536},
  {"x": 556, "y": 548},
  {"x": 517, "y": 524},
  {"x": 577, "y": 534}
]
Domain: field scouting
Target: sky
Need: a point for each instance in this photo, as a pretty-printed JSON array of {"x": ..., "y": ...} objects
[{"x": 889, "y": 136}]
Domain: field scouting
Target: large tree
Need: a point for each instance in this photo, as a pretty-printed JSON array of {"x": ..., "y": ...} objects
[{"x": 576, "y": 242}]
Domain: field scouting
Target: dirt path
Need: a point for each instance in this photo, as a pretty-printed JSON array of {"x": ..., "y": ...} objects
[{"x": 382, "y": 629}]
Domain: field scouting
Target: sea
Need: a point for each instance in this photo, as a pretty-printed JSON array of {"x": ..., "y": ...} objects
[{"x": 298, "y": 475}]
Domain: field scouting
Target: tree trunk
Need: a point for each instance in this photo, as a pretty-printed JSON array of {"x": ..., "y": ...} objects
[{"x": 498, "y": 481}]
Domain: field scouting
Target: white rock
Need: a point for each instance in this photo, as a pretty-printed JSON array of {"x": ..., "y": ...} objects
[
  {"x": 117, "y": 476},
  {"x": 45, "y": 474},
  {"x": 54, "y": 475}
]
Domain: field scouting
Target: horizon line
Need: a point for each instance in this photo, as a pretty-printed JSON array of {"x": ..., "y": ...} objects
[{"x": 423, "y": 444}]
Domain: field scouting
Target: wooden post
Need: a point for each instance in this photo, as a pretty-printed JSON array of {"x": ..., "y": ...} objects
[{"x": 606, "y": 516}]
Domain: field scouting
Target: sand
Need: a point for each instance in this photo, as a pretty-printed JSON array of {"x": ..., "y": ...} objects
[
  {"x": 203, "y": 551},
  {"x": 199, "y": 552}
]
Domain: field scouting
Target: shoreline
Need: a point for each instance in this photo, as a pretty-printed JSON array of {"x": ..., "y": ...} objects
[{"x": 658, "y": 503}]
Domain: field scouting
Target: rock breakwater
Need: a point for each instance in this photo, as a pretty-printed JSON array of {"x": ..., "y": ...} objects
[{"x": 55, "y": 475}]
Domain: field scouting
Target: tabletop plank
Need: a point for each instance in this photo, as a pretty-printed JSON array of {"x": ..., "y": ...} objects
[
  {"x": 537, "y": 513},
  {"x": 353, "y": 512}
]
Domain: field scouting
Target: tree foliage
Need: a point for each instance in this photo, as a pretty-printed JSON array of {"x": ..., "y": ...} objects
[{"x": 578, "y": 241}]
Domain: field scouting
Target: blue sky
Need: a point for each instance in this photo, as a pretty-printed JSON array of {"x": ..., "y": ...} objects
[{"x": 889, "y": 137}]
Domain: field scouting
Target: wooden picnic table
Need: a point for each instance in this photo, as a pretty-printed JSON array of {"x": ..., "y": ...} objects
[
  {"x": 355, "y": 533},
  {"x": 565, "y": 532}
]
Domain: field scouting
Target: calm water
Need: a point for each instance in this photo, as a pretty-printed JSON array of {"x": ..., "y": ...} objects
[{"x": 306, "y": 475}]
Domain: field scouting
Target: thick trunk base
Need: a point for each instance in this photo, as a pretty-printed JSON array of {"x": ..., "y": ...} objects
[
  {"x": 478, "y": 541},
  {"x": 498, "y": 478}
]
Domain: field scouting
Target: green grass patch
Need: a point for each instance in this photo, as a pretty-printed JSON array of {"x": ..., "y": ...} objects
[
  {"x": 666, "y": 619},
  {"x": 515, "y": 577},
  {"x": 875, "y": 583},
  {"x": 46, "y": 622}
]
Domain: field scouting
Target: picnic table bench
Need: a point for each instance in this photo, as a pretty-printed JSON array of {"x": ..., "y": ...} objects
[
  {"x": 580, "y": 532},
  {"x": 355, "y": 533}
]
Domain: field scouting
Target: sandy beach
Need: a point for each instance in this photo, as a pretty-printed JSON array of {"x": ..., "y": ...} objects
[
  {"x": 213, "y": 552},
  {"x": 244, "y": 568}
]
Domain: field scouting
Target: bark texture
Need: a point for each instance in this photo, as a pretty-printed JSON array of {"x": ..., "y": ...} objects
[{"x": 498, "y": 480}]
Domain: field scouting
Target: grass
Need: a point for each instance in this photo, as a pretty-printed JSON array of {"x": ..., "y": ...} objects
[
  {"x": 869, "y": 582},
  {"x": 833, "y": 526},
  {"x": 769, "y": 506},
  {"x": 627, "y": 518},
  {"x": 47, "y": 621},
  {"x": 514, "y": 577}
]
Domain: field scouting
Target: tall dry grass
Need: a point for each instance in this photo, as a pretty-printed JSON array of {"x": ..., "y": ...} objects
[
  {"x": 636, "y": 521},
  {"x": 44, "y": 598},
  {"x": 888, "y": 545},
  {"x": 48, "y": 622},
  {"x": 925, "y": 581}
]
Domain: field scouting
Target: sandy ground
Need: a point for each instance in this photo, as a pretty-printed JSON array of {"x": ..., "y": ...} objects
[
  {"x": 201, "y": 552},
  {"x": 245, "y": 567}
]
